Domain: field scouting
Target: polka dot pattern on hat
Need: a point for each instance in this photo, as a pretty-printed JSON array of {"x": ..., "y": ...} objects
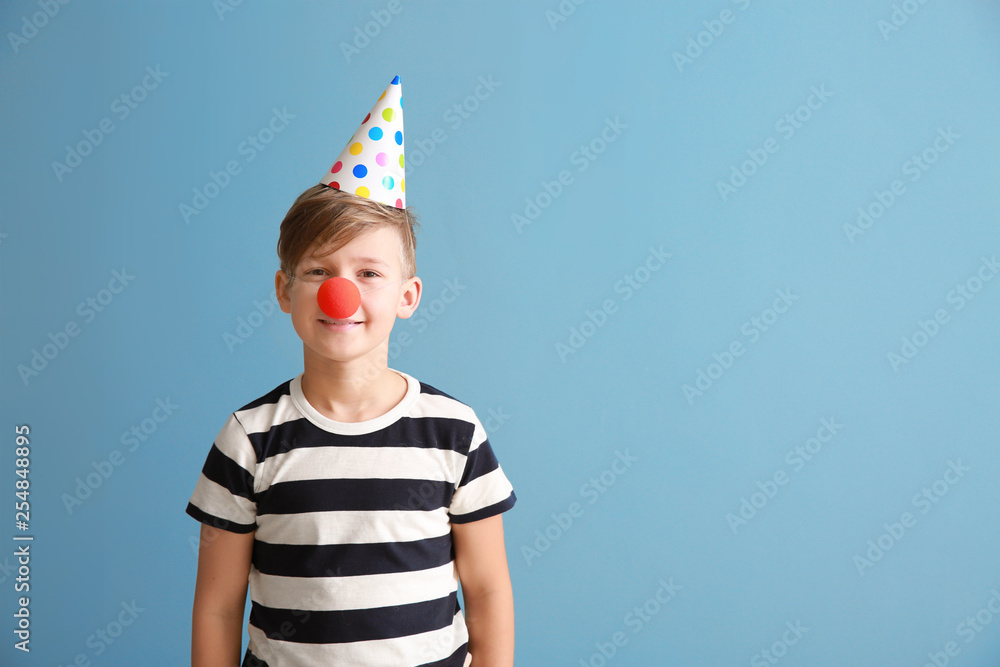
[{"x": 372, "y": 163}]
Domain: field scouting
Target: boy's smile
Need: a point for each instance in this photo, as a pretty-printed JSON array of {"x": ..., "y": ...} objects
[{"x": 341, "y": 326}]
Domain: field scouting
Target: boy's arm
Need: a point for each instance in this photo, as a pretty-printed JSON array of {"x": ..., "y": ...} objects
[
  {"x": 489, "y": 601},
  {"x": 220, "y": 597}
]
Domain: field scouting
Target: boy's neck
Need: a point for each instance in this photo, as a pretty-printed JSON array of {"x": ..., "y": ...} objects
[{"x": 353, "y": 393}]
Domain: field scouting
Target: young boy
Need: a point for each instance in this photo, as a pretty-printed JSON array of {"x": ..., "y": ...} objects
[{"x": 352, "y": 499}]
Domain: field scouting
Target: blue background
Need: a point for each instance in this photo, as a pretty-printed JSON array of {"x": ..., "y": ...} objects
[{"x": 522, "y": 338}]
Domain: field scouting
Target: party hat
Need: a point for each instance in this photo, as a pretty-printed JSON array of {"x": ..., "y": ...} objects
[{"x": 371, "y": 165}]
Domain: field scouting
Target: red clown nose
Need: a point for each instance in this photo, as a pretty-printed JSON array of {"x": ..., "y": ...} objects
[{"x": 339, "y": 298}]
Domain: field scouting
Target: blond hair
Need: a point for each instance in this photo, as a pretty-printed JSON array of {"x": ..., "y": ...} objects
[{"x": 323, "y": 216}]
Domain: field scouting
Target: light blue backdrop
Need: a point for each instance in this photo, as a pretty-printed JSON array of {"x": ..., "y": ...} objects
[{"x": 721, "y": 284}]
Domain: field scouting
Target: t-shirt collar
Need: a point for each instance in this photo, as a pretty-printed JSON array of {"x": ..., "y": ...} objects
[{"x": 355, "y": 428}]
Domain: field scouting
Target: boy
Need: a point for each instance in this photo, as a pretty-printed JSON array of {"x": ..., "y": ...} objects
[{"x": 352, "y": 499}]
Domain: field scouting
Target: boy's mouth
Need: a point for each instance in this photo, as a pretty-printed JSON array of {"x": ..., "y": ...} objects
[{"x": 339, "y": 323}]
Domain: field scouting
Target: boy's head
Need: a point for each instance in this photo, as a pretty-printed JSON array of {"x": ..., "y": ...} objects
[
  {"x": 323, "y": 218},
  {"x": 328, "y": 234}
]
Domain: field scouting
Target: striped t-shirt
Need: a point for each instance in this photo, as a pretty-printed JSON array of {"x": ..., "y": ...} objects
[{"x": 352, "y": 556}]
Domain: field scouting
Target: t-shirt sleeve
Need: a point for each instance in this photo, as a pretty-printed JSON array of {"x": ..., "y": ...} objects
[
  {"x": 224, "y": 495},
  {"x": 483, "y": 490}
]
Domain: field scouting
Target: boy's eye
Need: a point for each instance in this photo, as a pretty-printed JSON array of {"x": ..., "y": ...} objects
[
  {"x": 370, "y": 274},
  {"x": 314, "y": 273}
]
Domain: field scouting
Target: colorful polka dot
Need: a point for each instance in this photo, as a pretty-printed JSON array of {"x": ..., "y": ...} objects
[{"x": 367, "y": 165}]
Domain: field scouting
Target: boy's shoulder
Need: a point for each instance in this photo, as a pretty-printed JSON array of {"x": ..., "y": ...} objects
[
  {"x": 432, "y": 398},
  {"x": 430, "y": 390},
  {"x": 273, "y": 396}
]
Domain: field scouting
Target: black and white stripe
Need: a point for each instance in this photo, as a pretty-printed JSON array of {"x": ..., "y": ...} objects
[{"x": 352, "y": 556}]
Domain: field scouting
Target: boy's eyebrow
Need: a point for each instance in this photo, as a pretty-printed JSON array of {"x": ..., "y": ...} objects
[
  {"x": 360, "y": 260},
  {"x": 371, "y": 260}
]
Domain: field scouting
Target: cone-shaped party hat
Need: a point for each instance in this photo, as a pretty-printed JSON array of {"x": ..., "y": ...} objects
[{"x": 371, "y": 165}]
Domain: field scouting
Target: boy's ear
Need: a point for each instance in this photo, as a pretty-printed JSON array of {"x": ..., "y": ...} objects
[
  {"x": 281, "y": 290},
  {"x": 410, "y": 298}
]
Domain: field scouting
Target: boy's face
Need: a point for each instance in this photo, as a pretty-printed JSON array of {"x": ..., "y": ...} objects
[{"x": 372, "y": 260}]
